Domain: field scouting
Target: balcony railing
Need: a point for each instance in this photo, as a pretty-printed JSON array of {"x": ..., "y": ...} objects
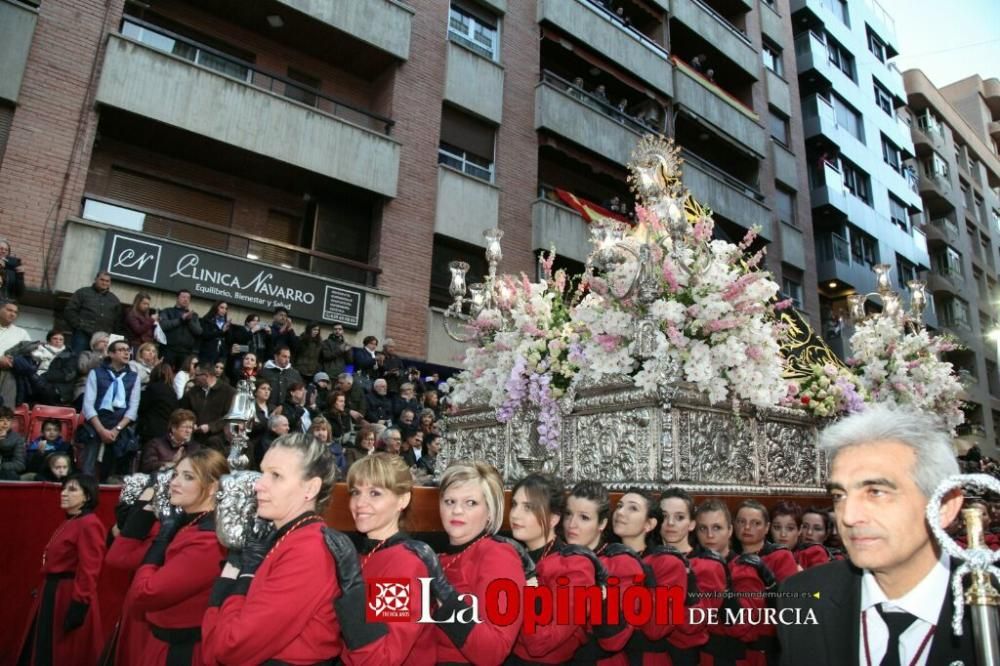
[
  {"x": 947, "y": 227},
  {"x": 600, "y": 104},
  {"x": 749, "y": 189},
  {"x": 228, "y": 65},
  {"x": 739, "y": 34},
  {"x": 832, "y": 247},
  {"x": 603, "y": 7},
  {"x": 239, "y": 244}
]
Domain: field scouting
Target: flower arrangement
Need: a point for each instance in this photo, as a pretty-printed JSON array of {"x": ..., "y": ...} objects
[
  {"x": 828, "y": 390},
  {"x": 903, "y": 367},
  {"x": 532, "y": 362}
]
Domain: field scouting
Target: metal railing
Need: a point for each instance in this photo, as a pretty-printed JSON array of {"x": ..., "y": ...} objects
[
  {"x": 749, "y": 189},
  {"x": 601, "y": 105},
  {"x": 223, "y": 63},
  {"x": 602, "y": 7},
  {"x": 236, "y": 243},
  {"x": 726, "y": 23},
  {"x": 833, "y": 247}
]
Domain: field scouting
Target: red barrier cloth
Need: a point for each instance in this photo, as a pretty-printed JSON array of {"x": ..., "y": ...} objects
[{"x": 30, "y": 515}]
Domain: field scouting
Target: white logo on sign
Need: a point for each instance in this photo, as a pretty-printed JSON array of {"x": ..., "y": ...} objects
[
  {"x": 130, "y": 258},
  {"x": 391, "y": 598}
]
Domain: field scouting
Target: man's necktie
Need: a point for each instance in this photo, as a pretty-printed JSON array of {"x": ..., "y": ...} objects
[{"x": 897, "y": 623}]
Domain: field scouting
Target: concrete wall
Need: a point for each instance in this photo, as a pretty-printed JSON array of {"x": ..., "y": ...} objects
[
  {"x": 792, "y": 245},
  {"x": 466, "y": 206},
  {"x": 786, "y": 167},
  {"x": 499, "y": 6},
  {"x": 173, "y": 91},
  {"x": 721, "y": 113},
  {"x": 591, "y": 26},
  {"x": 474, "y": 83},
  {"x": 382, "y": 23},
  {"x": 726, "y": 200},
  {"x": 770, "y": 25},
  {"x": 17, "y": 27},
  {"x": 557, "y": 111},
  {"x": 562, "y": 227},
  {"x": 718, "y": 33},
  {"x": 441, "y": 349},
  {"x": 777, "y": 92}
]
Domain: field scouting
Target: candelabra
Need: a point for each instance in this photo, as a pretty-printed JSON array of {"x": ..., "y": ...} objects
[
  {"x": 242, "y": 413},
  {"x": 892, "y": 302},
  {"x": 485, "y": 301}
]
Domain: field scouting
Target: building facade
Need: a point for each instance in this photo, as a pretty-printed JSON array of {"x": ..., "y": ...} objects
[
  {"x": 334, "y": 157},
  {"x": 955, "y": 130}
]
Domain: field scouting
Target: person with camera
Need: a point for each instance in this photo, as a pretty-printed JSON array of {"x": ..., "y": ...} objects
[
  {"x": 282, "y": 331},
  {"x": 334, "y": 353},
  {"x": 11, "y": 272},
  {"x": 90, "y": 309},
  {"x": 183, "y": 330},
  {"x": 214, "y": 330},
  {"x": 392, "y": 366}
]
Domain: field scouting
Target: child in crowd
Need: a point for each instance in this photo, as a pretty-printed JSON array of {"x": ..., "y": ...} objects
[
  {"x": 50, "y": 441},
  {"x": 57, "y": 467}
]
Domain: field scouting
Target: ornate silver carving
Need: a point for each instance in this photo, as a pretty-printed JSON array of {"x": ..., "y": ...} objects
[
  {"x": 671, "y": 437},
  {"x": 236, "y": 510}
]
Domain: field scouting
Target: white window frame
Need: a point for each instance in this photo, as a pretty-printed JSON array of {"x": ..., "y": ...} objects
[
  {"x": 468, "y": 37},
  {"x": 462, "y": 162}
]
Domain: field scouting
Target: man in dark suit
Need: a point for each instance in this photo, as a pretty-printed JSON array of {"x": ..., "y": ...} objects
[
  {"x": 210, "y": 401},
  {"x": 891, "y": 603}
]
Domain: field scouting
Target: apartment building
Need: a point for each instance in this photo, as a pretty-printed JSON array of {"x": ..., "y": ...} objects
[
  {"x": 865, "y": 203},
  {"x": 955, "y": 130},
  {"x": 333, "y": 157}
]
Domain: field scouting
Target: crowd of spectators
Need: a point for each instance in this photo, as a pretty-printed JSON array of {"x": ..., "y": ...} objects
[{"x": 149, "y": 386}]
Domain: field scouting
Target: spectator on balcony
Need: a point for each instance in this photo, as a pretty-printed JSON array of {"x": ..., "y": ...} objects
[
  {"x": 140, "y": 321},
  {"x": 699, "y": 62},
  {"x": 379, "y": 403},
  {"x": 335, "y": 352},
  {"x": 622, "y": 106},
  {"x": 710, "y": 74},
  {"x": 91, "y": 309},
  {"x": 282, "y": 332},
  {"x": 576, "y": 88},
  {"x": 214, "y": 331},
  {"x": 280, "y": 374},
  {"x": 307, "y": 358},
  {"x": 183, "y": 330},
  {"x": 601, "y": 95},
  {"x": 210, "y": 400},
  {"x": 11, "y": 272}
]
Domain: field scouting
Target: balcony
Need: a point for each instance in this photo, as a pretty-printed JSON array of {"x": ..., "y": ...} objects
[
  {"x": 727, "y": 115},
  {"x": 813, "y": 60},
  {"x": 830, "y": 193},
  {"x": 17, "y": 28},
  {"x": 385, "y": 24},
  {"x": 927, "y": 137},
  {"x": 474, "y": 83},
  {"x": 777, "y": 92},
  {"x": 793, "y": 249},
  {"x": 935, "y": 188},
  {"x": 718, "y": 32},
  {"x": 786, "y": 168},
  {"x": 568, "y": 111},
  {"x": 727, "y": 195},
  {"x": 820, "y": 119},
  {"x": 604, "y": 32},
  {"x": 466, "y": 206},
  {"x": 555, "y": 225},
  {"x": 770, "y": 24},
  {"x": 834, "y": 262},
  {"x": 943, "y": 230},
  {"x": 994, "y": 129},
  {"x": 951, "y": 282},
  {"x": 212, "y": 95}
]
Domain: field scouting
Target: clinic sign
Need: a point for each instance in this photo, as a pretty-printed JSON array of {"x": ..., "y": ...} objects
[{"x": 164, "y": 264}]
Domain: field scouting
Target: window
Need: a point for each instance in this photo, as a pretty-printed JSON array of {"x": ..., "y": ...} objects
[
  {"x": 905, "y": 271},
  {"x": 891, "y": 155},
  {"x": 772, "y": 58},
  {"x": 864, "y": 248},
  {"x": 840, "y": 58},
  {"x": 876, "y": 45},
  {"x": 848, "y": 118},
  {"x": 977, "y": 208},
  {"x": 475, "y": 28},
  {"x": 839, "y": 9},
  {"x": 948, "y": 263},
  {"x": 192, "y": 50},
  {"x": 935, "y": 166},
  {"x": 779, "y": 126},
  {"x": 856, "y": 181},
  {"x": 899, "y": 214},
  {"x": 996, "y": 219},
  {"x": 955, "y": 313},
  {"x": 929, "y": 123},
  {"x": 882, "y": 97},
  {"x": 784, "y": 204},
  {"x": 466, "y": 144},
  {"x": 792, "y": 289}
]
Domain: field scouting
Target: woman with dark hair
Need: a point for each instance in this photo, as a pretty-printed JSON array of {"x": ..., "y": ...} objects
[
  {"x": 65, "y": 622},
  {"x": 184, "y": 377},
  {"x": 380, "y": 487},
  {"x": 139, "y": 321},
  {"x": 471, "y": 506},
  {"x": 815, "y": 548},
  {"x": 214, "y": 327},
  {"x": 294, "y": 594},
  {"x": 588, "y": 509},
  {"x": 364, "y": 445},
  {"x": 307, "y": 355},
  {"x": 247, "y": 369},
  {"x": 251, "y": 338},
  {"x": 159, "y": 401},
  {"x": 786, "y": 525},
  {"x": 538, "y": 503},
  {"x": 170, "y": 590},
  {"x": 339, "y": 417}
]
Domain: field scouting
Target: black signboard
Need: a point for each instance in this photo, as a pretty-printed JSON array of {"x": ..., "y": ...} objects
[{"x": 170, "y": 266}]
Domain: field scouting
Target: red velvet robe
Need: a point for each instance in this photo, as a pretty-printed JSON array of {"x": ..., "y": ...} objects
[
  {"x": 625, "y": 566},
  {"x": 133, "y": 632},
  {"x": 76, "y": 552}
]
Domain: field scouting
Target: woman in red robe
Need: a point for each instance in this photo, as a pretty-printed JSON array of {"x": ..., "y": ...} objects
[
  {"x": 472, "y": 505},
  {"x": 65, "y": 624},
  {"x": 169, "y": 593}
]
